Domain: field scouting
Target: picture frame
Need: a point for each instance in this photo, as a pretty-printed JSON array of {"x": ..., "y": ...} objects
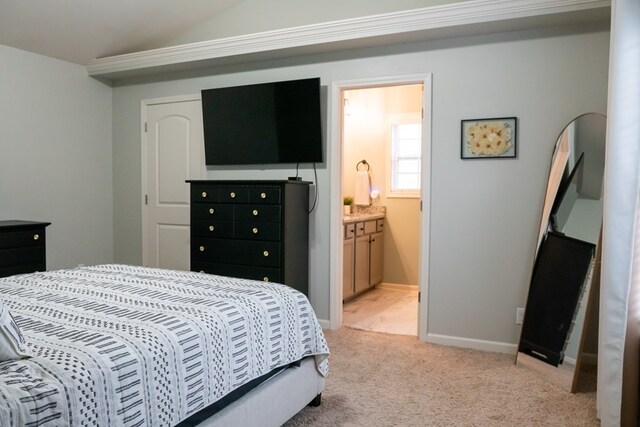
[{"x": 492, "y": 138}]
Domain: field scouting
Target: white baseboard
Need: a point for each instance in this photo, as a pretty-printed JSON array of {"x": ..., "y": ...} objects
[
  {"x": 397, "y": 287},
  {"x": 324, "y": 324},
  {"x": 494, "y": 346}
]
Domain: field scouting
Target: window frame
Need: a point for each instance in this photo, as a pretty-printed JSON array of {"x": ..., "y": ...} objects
[{"x": 402, "y": 119}]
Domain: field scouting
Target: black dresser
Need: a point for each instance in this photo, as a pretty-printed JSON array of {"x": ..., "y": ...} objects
[
  {"x": 22, "y": 247},
  {"x": 251, "y": 229}
]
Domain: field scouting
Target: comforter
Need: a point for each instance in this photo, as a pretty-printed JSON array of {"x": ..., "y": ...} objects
[{"x": 131, "y": 346}]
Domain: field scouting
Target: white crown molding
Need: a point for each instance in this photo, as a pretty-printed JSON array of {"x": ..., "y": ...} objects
[{"x": 450, "y": 15}]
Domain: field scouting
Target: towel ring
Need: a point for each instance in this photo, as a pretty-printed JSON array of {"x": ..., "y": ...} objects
[{"x": 364, "y": 162}]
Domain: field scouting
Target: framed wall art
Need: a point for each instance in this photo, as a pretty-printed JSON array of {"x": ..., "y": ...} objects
[{"x": 489, "y": 138}]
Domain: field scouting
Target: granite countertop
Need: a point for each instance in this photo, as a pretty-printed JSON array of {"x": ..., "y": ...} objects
[{"x": 357, "y": 217}]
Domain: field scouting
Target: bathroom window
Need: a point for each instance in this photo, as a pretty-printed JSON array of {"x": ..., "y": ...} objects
[{"x": 405, "y": 155}]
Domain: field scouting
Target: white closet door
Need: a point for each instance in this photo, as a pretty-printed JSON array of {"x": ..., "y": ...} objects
[{"x": 173, "y": 152}]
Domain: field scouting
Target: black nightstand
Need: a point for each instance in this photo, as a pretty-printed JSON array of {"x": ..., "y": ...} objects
[{"x": 22, "y": 247}]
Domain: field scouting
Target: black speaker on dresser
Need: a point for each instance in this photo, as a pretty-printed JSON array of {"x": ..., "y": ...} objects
[{"x": 251, "y": 229}]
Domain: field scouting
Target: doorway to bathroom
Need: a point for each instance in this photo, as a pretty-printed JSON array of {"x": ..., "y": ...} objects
[{"x": 385, "y": 151}]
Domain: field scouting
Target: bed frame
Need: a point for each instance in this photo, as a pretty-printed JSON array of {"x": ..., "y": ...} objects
[{"x": 275, "y": 401}]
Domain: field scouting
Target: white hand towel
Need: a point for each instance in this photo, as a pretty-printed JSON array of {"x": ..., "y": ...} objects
[{"x": 362, "y": 190}]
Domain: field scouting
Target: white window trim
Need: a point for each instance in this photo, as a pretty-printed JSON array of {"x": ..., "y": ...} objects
[{"x": 398, "y": 119}]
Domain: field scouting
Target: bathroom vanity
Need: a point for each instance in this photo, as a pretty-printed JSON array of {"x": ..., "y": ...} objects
[{"x": 363, "y": 253}]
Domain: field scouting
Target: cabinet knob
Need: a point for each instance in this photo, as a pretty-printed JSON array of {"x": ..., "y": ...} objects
[
  {"x": 265, "y": 279},
  {"x": 232, "y": 195},
  {"x": 211, "y": 228},
  {"x": 255, "y": 212},
  {"x": 201, "y": 248},
  {"x": 265, "y": 253},
  {"x": 36, "y": 237},
  {"x": 263, "y": 195},
  {"x": 204, "y": 194},
  {"x": 212, "y": 211},
  {"x": 254, "y": 230}
]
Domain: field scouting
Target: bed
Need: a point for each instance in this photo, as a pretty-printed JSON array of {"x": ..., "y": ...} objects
[{"x": 117, "y": 345}]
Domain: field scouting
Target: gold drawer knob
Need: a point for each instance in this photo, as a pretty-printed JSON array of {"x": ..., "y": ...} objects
[
  {"x": 265, "y": 279},
  {"x": 204, "y": 194},
  {"x": 232, "y": 195},
  {"x": 265, "y": 253},
  {"x": 201, "y": 248},
  {"x": 36, "y": 237},
  {"x": 211, "y": 228},
  {"x": 212, "y": 211},
  {"x": 263, "y": 195},
  {"x": 254, "y": 230},
  {"x": 255, "y": 212}
]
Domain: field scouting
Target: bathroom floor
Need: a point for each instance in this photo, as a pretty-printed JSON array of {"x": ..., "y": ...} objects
[{"x": 386, "y": 310}]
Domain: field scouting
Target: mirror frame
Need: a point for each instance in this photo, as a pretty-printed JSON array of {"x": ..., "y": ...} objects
[{"x": 565, "y": 377}]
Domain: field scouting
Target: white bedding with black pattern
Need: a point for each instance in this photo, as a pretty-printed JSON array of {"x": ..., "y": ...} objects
[{"x": 117, "y": 345}]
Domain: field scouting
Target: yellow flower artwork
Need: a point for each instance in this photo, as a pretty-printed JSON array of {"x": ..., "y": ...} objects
[{"x": 488, "y": 138}]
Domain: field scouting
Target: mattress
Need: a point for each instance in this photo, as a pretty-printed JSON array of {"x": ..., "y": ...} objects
[{"x": 131, "y": 346}]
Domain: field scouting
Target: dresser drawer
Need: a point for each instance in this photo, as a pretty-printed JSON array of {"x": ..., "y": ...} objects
[
  {"x": 216, "y": 211},
  {"x": 21, "y": 269},
  {"x": 370, "y": 227},
  {"x": 349, "y": 231},
  {"x": 267, "y": 195},
  {"x": 265, "y": 274},
  {"x": 212, "y": 228},
  {"x": 233, "y": 195},
  {"x": 22, "y": 256},
  {"x": 256, "y": 231},
  {"x": 261, "y": 213},
  {"x": 19, "y": 238},
  {"x": 245, "y": 252},
  {"x": 204, "y": 193}
]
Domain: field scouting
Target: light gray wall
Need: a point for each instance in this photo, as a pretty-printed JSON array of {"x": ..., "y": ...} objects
[
  {"x": 55, "y": 155},
  {"x": 485, "y": 213}
]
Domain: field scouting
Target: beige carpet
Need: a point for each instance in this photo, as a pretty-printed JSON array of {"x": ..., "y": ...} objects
[{"x": 394, "y": 380}]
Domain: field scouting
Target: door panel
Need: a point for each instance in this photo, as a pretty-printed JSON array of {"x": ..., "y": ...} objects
[
  {"x": 173, "y": 152},
  {"x": 171, "y": 241},
  {"x": 173, "y": 158}
]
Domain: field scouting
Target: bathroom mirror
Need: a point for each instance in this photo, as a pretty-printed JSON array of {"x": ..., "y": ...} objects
[{"x": 559, "y": 331}]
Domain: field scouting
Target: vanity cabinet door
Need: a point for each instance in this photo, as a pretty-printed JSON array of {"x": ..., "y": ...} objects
[
  {"x": 347, "y": 268},
  {"x": 361, "y": 266},
  {"x": 376, "y": 258}
]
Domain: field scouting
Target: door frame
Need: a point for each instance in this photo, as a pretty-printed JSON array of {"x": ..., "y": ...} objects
[
  {"x": 336, "y": 252},
  {"x": 144, "y": 104}
]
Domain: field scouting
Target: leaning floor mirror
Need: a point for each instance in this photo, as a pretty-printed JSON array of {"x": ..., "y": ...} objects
[{"x": 559, "y": 331}]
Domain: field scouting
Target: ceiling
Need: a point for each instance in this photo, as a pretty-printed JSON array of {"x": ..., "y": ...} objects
[
  {"x": 127, "y": 38},
  {"x": 81, "y": 30}
]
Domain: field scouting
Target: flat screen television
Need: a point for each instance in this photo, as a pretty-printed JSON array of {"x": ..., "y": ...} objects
[{"x": 277, "y": 122}]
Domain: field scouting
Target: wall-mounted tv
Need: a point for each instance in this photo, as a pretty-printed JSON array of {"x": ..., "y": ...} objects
[{"x": 277, "y": 122}]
